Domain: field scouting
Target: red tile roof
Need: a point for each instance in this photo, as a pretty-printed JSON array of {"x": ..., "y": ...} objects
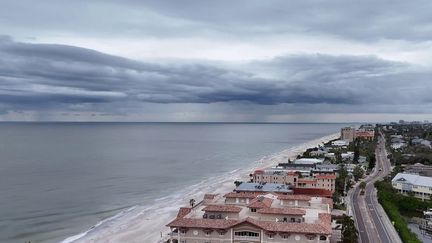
[
  {"x": 284, "y": 211},
  {"x": 325, "y": 218},
  {"x": 260, "y": 202},
  {"x": 203, "y": 223},
  {"x": 183, "y": 212},
  {"x": 322, "y": 227},
  {"x": 316, "y": 228},
  {"x": 317, "y": 192},
  {"x": 222, "y": 208},
  {"x": 258, "y": 172},
  {"x": 243, "y": 194},
  {"x": 294, "y": 197}
]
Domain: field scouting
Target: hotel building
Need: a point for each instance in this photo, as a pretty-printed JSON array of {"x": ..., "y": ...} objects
[
  {"x": 239, "y": 217},
  {"x": 296, "y": 179}
]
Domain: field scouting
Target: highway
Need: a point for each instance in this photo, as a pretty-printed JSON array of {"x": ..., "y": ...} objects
[{"x": 371, "y": 221}]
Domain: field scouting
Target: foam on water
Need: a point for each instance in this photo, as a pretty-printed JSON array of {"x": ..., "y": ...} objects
[{"x": 146, "y": 223}]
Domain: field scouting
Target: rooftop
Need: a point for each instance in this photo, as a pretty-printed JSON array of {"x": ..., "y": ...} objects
[
  {"x": 222, "y": 208},
  {"x": 315, "y": 218},
  {"x": 263, "y": 187},
  {"x": 413, "y": 179}
]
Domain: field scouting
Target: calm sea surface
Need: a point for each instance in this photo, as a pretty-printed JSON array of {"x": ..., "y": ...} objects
[{"x": 59, "y": 179}]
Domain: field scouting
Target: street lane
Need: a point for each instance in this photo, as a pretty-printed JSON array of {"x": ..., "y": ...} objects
[{"x": 373, "y": 225}]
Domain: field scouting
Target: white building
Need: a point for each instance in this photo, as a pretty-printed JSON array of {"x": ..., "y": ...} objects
[
  {"x": 421, "y": 186},
  {"x": 308, "y": 161},
  {"x": 340, "y": 143}
]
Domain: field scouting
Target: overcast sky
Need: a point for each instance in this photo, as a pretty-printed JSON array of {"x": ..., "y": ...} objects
[{"x": 250, "y": 60}]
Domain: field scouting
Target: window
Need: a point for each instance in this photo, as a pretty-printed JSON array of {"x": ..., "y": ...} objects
[
  {"x": 246, "y": 234},
  {"x": 182, "y": 231},
  {"x": 253, "y": 210},
  {"x": 310, "y": 237},
  {"x": 207, "y": 233},
  {"x": 323, "y": 237},
  {"x": 183, "y": 241}
]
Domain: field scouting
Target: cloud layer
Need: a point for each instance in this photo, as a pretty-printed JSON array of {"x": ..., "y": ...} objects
[
  {"x": 220, "y": 60},
  {"x": 59, "y": 77}
]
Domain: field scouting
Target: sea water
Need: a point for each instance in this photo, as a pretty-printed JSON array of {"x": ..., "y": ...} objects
[{"x": 61, "y": 180}]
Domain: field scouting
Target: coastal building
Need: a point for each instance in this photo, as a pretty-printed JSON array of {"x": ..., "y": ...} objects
[
  {"x": 254, "y": 217},
  {"x": 318, "y": 153},
  {"x": 397, "y": 146},
  {"x": 306, "y": 161},
  {"x": 348, "y": 134},
  {"x": 349, "y": 155},
  {"x": 418, "y": 169},
  {"x": 263, "y": 187},
  {"x": 365, "y": 134},
  {"x": 421, "y": 141},
  {"x": 339, "y": 143},
  {"x": 419, "y": 186},
  {"x": 296, "y": 179}
]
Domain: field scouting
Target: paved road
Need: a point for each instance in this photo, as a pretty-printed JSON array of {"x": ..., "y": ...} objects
[{"x": 372, "y": 222}]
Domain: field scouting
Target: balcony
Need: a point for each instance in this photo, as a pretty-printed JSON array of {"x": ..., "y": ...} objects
[{"x": 247, "y": 238}]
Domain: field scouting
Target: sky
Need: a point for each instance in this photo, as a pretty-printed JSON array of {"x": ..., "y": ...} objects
[{"x": 215, "y": 61}]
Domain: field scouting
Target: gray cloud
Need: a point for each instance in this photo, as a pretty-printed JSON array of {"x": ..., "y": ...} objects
[
  {"x": 359, "y": 20},
  {"x": 42, "y": 76}
]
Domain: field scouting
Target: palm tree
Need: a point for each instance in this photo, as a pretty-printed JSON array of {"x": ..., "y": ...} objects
[
  {"x": 349, "y": 232},
  {"x": 192, "y": 202}
]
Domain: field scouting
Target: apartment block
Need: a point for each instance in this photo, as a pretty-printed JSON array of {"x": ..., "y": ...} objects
[{"x": 239, "y": 217}]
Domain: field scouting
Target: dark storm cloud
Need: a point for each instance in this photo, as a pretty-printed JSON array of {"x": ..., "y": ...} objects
[{"x": 39, "y": 76}]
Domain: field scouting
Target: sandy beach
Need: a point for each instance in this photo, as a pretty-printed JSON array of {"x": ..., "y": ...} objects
[{"x": 147, "y": 223}]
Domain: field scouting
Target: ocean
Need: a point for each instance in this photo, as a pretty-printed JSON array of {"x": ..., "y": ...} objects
[{"x": 66, "y": 180}]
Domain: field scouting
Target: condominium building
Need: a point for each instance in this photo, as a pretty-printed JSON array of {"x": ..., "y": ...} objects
[
  {"x": 254, "y": 217},
  {"x": 420, "y": 186},
  {"x": 348, "y": 134},
  {"x": 369, "y": 135},
  {"x": 296, "y": 179}
]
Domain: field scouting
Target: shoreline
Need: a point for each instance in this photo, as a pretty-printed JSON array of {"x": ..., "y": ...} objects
[{"x": 147, "y": 223}]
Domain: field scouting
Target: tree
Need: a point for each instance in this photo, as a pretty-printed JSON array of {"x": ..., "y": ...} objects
[
  {"x": 338, "y": 156},
  {"x": 362, "y": 185},
  {"x": 237, "y": 183},
  {"x": 372, "y": 161},
  {"x": 192, "y": 202},
  {"x": 341, "y": 179},
  {"x": 356, "y": 151},
  {"x": 358, "y": 173},
  {"x": 349, "y": 231},
  {"x": 336, "y": 197}
]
